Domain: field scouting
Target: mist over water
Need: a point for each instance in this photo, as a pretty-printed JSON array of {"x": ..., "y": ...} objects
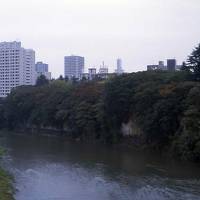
[{"x": 55, "y": 169}]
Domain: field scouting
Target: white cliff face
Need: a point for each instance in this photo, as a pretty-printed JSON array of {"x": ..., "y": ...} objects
[{"x": 130, "y": 129}]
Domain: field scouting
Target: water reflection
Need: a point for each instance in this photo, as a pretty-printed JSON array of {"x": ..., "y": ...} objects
[{"x": 54, "y": 168}]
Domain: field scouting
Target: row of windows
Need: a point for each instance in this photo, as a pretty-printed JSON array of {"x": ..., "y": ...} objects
[
  {"x": 7, "y": 78},
  {"x": 8, "y": 65},
  {"x": 5, "y": 91},
  {"x": 6, "y": 81},
  {"x": 10, "y": 50},
  {"x": 7, "y": 88},
  {"x": 9, "y": 73},
  {"x": 14, "y": 79},
  {"x": 12, "y": 70},
  {"x": 9, "y": 60},
  {"x": 13, "y": 83},
  {"x": 8, "y": 56},
  {"x": 13, "y": 67}
]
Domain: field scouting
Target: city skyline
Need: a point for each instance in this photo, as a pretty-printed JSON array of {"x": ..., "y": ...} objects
[{"x": 103, "y": 30}]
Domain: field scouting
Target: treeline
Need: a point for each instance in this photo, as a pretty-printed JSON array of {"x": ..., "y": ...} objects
[
  {"x": 164, "y": 106},
  {"x": 154, "y": 109}
]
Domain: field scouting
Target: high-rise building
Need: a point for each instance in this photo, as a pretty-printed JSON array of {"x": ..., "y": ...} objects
[
  {"x": 92, "y": 73},
  {"x": 103, "y": 71},
  {"x": 171, "y": 64},
  {"x": 119, "y": 69},
  {"x": 43, "y": 69},
  {"x": 17, "y": 67},
  {"x": 161, "y": 65},
  {"x": 74, "y": 66}
]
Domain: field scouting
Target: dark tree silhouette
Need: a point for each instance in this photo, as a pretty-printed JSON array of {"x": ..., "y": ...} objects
[
  {"x": 193, "y": 62},
  {"x": 42, "y": 80},
  {"x": 184, "y": 67},
  {"x": 61, "y": 78}
]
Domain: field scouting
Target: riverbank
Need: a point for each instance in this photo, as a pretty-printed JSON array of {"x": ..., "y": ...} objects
[
  {"x": 6, "y": 190},
  {"x": 157, "y": 110}
]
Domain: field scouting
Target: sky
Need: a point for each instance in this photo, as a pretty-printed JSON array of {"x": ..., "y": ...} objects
[{"x": 140, "y": 32}]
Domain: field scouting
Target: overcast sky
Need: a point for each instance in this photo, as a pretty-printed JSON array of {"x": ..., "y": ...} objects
[{"x": 140, "y": 32}]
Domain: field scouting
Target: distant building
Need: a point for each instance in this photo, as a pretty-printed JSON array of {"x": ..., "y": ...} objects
[
  {"x": 46, "y": 74},
  {"x": 85, "y": 75},
  {"x": 119, "y": 69},
  {"x": 74, "y": 66},
  {"x": 43, "y": 69},
  {"x": 161, "y": 65},
  {"x": 152, "y": 67},
  {"x": 92, "y": 73},
  {"x": 103, "y": 72},
  {"x": 178, "y": 67},
  {"x": 17, "y": 67},
  {"x": 171, "y": 64}
]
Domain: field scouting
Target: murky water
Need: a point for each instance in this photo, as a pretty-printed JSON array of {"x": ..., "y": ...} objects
[{"x": 56, "y": 169}]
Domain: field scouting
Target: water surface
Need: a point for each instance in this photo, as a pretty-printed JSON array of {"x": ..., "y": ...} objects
[{"x": 56, "y": 169}]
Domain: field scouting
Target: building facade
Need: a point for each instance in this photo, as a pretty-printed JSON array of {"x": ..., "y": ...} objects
[
  {"x": 152, "y": 67},
  {"x": 119, "y": 69},
  {"x": 43, "y": 69},
  {"x": 171, "y": 64},
  {"x": 17, "y": 67},
  {"x": 92, "y": 72},
  {"x": 161, "y": 65},
  {"x": 103, "y": 71},
  {"x": 74, "y": 66}
]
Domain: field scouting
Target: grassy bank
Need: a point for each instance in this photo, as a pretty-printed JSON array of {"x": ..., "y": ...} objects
[{"x": 6, "y": 191}]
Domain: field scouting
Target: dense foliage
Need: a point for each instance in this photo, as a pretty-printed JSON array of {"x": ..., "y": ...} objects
[
  {"x": 165, "y": 106},
  {"x": 193, "y": 64}
]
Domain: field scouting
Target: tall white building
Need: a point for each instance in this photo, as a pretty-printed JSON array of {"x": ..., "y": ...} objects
[
  {"x": 17, "y": 67},
  {"x": 74, "y": 66},
  {"x": 119, "y": 69}
]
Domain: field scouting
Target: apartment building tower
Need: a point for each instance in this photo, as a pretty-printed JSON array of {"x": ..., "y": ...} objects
[
  {"x": 171, "y": 64},
  {"x": 74, "y": 66},
  {"x": 17, "y": 67},
  {"x": 43, "y": 69},
  {"x": 119, "y": 69}
]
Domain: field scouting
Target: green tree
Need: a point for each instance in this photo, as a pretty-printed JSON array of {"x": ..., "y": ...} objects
[
  {"x": 42, "y": 80},
  {"x": 194, "y": 62},
  {"x": 184, "y": 67},
  {"x": 61, "y": 78}
]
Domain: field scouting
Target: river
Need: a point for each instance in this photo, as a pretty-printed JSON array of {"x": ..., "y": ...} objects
[{"x": 53, "y": 168}]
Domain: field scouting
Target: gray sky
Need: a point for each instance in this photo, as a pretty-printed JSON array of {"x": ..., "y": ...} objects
[{"x": 141, "y": 32}]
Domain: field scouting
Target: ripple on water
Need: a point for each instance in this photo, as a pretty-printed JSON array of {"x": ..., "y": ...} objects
[{"x": 58, "y": 182}]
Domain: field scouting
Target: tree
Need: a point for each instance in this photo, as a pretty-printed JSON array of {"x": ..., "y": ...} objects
[
  {"x": 61, "y": 78},
  {"x": 184, "y": 67},
  {"x": 194, "y": 62},
  {"x": 42, "y": 80},
  {"x": 66, "y": 78}
]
